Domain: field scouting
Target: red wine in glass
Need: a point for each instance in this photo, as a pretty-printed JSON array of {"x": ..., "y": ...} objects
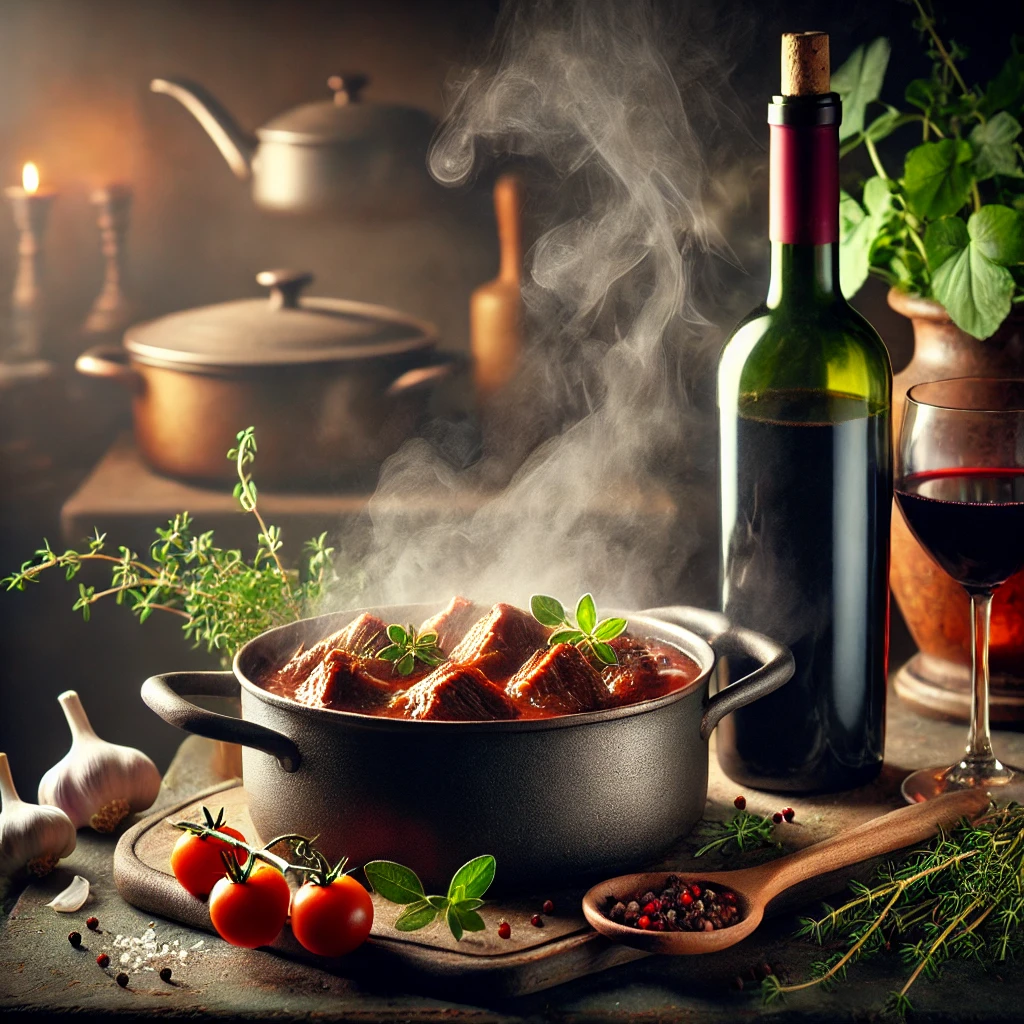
[
  {"x": 960, "y": 487},
  {"x": 970, "y": 520}
]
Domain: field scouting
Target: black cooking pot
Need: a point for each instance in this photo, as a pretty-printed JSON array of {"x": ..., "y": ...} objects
[{"x": 574, "y": 797}]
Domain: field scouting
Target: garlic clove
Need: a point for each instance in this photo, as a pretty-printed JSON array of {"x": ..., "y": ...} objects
[
  {"x": 72, "y": 898},
  {"x": 97, "y": 783},
  {"x": 31, "y": 836}
]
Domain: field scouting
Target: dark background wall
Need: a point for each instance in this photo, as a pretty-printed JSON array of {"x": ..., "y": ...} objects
[{"x": 74, "y": 98}]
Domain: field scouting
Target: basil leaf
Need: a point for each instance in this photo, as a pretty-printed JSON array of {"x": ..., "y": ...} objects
[
  {"x": 452, "y": 917},
  {"x": 476, "y": 875},
  {"x": 944, "y": 238},
  {"x": 976, "y": 292},
  {"x": 998, "y": 232},
  {"x": 993, "y": 147},
  {"x": 565, "y": 636},
  {"x": 937, "y": 177},
  {"x": 546, "y": 610},
  {"x": 469, "y": 904},
  {"x": 439, "y": 902},
  {"x": 397, "y": 634},
  {"x": 396, "y": 883},
  {"x": 586, "y": 613},
  {"x": 391, "y": 653},
  {"x": 406, "y": 664},
  {"x": 604, "y": 653},
  {"x": 859, "y": 82},
  {"x": 609, "y": 629},
  {"x": 429, "y": 658},
  {"x": 470, "y": 920},
  {"x": 426, "y": 640},
  {"x": 415, "y": 916}
]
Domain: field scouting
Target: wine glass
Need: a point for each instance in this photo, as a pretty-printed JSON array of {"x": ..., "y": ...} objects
[{"x": 960, "y": 487}]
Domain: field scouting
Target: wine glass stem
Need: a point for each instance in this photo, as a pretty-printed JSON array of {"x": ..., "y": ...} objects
[{"x": 979, "y": 742}]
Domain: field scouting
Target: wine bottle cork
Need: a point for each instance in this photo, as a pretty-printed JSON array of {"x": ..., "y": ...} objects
[{"x": 805, "y": 67}]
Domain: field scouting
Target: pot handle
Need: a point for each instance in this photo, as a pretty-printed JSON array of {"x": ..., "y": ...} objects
[
  {"x": 445, "y": 365},
  {"x": 111, "y": 362},
  {"x": 163, "y": 694},
  {"x": 776, "y": 661}
]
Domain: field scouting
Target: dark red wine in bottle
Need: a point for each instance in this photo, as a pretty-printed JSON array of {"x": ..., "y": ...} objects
[
  {"x": 804, "y": 393},
  {"x": 970, "y": 520}
]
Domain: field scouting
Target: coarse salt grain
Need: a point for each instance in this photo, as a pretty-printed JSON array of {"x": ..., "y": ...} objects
[
  {"x": 183, "y": 954},
  {"x": 125, "y": 957},
  {"x": 198, "y": 945}
]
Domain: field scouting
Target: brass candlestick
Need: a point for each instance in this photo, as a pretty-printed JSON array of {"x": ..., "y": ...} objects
[
  {"x": 112, "y": 311},
  {"x": 31, "y": 208}
]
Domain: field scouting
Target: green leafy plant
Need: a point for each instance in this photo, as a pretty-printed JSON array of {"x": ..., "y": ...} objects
[
  {"x": 224, "y": 598},
  {"x": 407, "y": 647},
  {"x": 460, "y": 908},
  {"x": 960, "y": 897},
  {"x": 589, "y": 635},
  {"x": 951, "y": 226}
]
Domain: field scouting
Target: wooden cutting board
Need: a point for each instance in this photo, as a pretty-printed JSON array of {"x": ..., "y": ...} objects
[{"x": 429, "y": 960}]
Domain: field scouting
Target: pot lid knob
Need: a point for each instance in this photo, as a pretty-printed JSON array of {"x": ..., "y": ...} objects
[
  {"x": 285, "y": 286},
  {"x": 347, "y": 87}
]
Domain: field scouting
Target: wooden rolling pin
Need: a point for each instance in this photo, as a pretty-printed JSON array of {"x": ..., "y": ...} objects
[{"x": 495, "y": 308}]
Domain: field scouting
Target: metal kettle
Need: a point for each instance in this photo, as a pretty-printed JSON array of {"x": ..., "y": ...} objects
[{"x": 341, "y": 155}]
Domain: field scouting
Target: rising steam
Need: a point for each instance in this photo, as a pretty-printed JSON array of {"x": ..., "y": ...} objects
[{"x": 593, "y": 457}]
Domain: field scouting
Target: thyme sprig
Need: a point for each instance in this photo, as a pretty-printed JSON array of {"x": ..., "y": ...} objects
[
  {"x": 224, "y": 598},
  {"x": 587, "y": 634},
  {"x": 743, "y": 831},
  {"x": 960, "y": 897}
]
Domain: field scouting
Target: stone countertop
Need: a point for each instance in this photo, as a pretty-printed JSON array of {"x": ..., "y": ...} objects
[{"x": 41, "y": 974}]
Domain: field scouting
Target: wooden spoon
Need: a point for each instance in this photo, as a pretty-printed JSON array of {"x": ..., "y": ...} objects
[{"x": 756, "y": 887}]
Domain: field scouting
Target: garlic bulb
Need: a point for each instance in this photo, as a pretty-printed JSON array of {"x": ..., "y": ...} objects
[
  {"x": 31, "y": 836},
  {"x": 97, "y": 783}
]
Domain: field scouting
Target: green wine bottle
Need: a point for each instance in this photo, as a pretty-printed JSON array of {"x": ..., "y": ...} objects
[{"x": 804, "y": 392}]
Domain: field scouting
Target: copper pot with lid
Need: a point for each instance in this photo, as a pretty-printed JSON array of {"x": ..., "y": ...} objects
[{"x": 332, "y": 386}]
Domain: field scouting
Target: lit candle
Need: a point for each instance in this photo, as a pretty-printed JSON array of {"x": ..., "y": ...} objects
[{"x": 31, "y": 207}]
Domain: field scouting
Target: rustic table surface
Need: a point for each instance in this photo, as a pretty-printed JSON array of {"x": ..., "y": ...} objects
[{"x": 41, "y": 974}]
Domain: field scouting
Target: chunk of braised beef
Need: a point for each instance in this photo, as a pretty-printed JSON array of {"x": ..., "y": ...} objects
[
  {"x": 298, "y": 667},
  {"x": 366, "y": 636},
  {"x": 451, "y": 623},
  {"x": 637, "y": 675},
  {"x": 344, "y": 682},
  {"x": 500, "y": 642},
  {"x": 454, "y": 693},
  {"x": 558, "y": 680}
]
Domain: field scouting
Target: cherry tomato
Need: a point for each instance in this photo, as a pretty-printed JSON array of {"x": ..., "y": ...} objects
[
  {"x": 196, "y": 861},
  {"x": 332, "y": 919},
  {"x": 253, "y": 912}
]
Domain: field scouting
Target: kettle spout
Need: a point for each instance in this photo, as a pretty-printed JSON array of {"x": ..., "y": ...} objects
[{"x": 235, "y": 145}]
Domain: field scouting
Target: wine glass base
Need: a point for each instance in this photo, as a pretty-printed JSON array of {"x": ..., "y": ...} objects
[{"x": 1003, "y": 781}]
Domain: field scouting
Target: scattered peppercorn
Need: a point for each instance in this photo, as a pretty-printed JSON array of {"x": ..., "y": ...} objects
[
  {"x": 789, "y": 814},
  {"x": 740, "y": 803},
  {"x": 679, "y": 907},
  {"x": 549, "y": 907},
  {"x": 103, "y": 960},
  {"x": 92, "y": 923},
  {"x": 504, "y": 930},
  {"x": 537, "y": 921},
  {"x": 777, "y": 817},
  {"x": 165, "y": 974},
  {"x": 122, "y": 980},
  {"x": 75, "y": 938}
]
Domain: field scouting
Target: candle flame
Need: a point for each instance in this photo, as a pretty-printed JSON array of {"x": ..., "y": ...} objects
[{"x": 30, "y": 177}]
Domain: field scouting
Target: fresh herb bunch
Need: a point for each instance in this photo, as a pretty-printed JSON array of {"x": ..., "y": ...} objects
[
  {"x": 589, "y": 635},
  {"x": 951, "y": 226},
  {"x": 460, "y": 907},
  {"x": 407, "y": 647},
  {"x": 961, "y": 897},
  {"x": 743, "y": 831},
  {"x": 224, "y": 599}
]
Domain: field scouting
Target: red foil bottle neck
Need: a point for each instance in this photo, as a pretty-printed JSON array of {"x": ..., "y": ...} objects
[{"x": 804, "y": 190}]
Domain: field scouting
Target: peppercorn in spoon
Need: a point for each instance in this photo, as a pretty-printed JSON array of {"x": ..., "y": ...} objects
[{"x": 737, "y": 900}]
